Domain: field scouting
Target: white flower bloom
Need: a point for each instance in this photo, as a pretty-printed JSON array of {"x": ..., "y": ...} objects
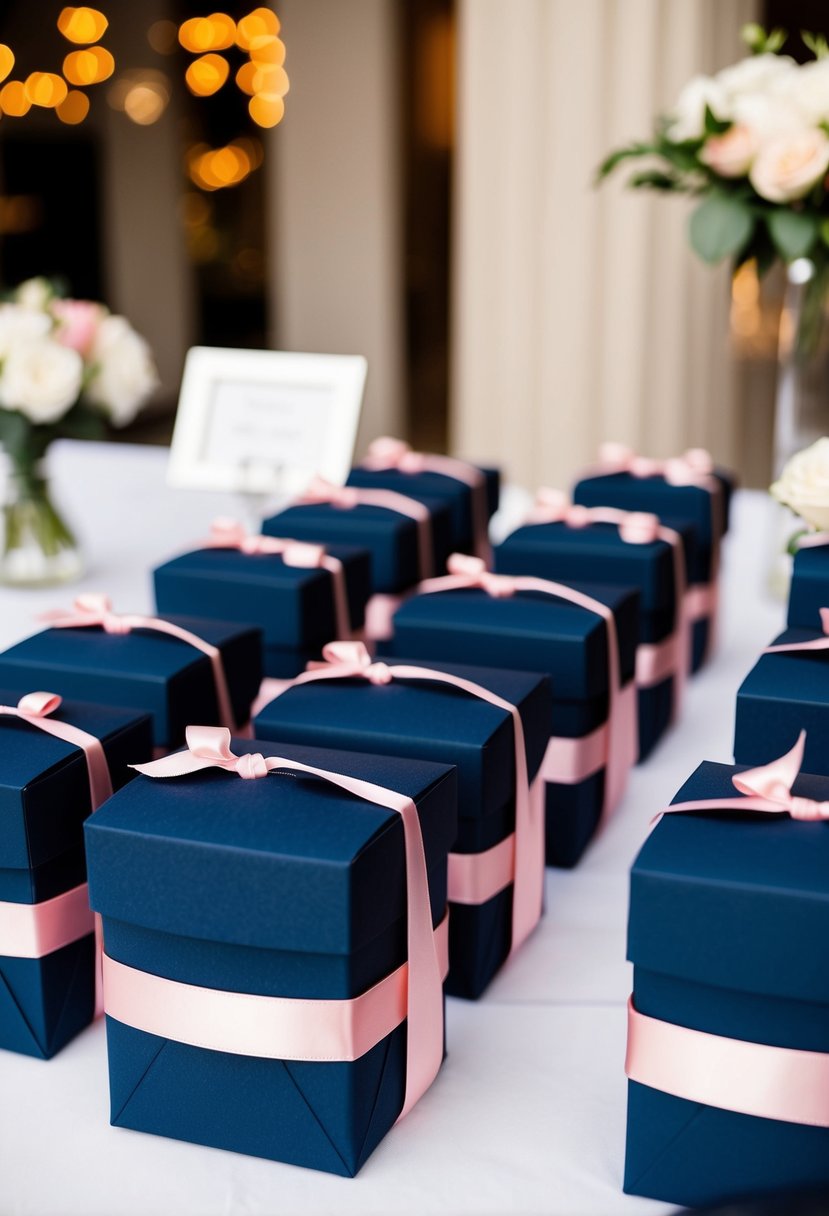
[
  {"x": 786, "y": 168},
  {"x": 125, "y": 374},
  {"x": 41, "y": 379},
  {"x": 35, "y": 294},
  {"x": 688, "y": 115},
  {"x": 18, "y": 324},
  {"x": 769, "y": 114},
  {"x": 755, "y": 74},
  {"x": 804, "y": 484},
  {"x": 808, "y": 90}
]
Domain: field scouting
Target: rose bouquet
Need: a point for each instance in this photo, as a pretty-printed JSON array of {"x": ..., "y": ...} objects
[
  {"x": 803, "y": 486},
  {"x": 752, "y": 143},
  {"x": 68, "y": 368}
]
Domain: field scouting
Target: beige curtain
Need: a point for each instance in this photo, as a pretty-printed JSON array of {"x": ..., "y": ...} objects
[{"x": 581, "y": 314}]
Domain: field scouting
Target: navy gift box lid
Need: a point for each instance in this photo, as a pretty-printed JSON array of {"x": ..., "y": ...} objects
[
  {"x": 285, "y": 862},
  {"x": 293, "y": 605},
  {"x": 143, "y": 669},
  {"x": 44, "y": 783},
  {"x": 428, "y": 485},
  {"x": 535, "y": 632},
  {"x": 429, "y": 720},
  {"x": 688, "y": 505},
  {"x": 754, "y": 908},
  {"x": 809, "y": 591}
]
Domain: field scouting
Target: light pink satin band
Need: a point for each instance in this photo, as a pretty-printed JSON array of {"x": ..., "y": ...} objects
[
  {"x": 814, "y": 644},
  {"x": 388, "y": 453},
  {"x": 229, "y": 534},
  {"x": 267, "y": 1027},
  {"x": 731, "y": 1074},
  {"x": 345, "y": 498},
  {"x": 35, "y": 708},
  {"x": 34, "y": 930},
  {"x": 350, "y": 660},
  {"x": 658, "y": 661},
  {"x": 702, "y": 602},
  {"x": 94, "y": 610},
  {"x": 380, "y": 610},
  {"x": 812, "y": 540},
  {"x": 475, "y": 878}
]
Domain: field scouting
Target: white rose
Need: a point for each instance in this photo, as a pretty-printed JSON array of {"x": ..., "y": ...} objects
[
  {"x": 731, "y": 154},
  {"x": 804, "y": 484},
  {"x": 18, "y": 324},
  {"x": 754, "y": 74},
  {"x": 688, "y": 115},
  {"x": 41, "y": 379},
  {"x": 767, "y": 114},
  {"x": 125, "y": 374},
  {"x": 786, "y": 168},
  {"x": 807, "y": 89},
  {"x": 35, "y": 294}
]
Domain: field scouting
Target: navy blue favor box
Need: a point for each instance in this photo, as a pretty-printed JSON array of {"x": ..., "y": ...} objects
[
  {"x": 532, "y": 631},
  {"x": 391, "y": 465},
  {"x": 783, "y": 694},
  {"x": 300, "y": 595},
  {"x": 809, "y": 590},
  {"x": 728, "y": 936},
  {"x": 564, "y": 551},
  {"x": 46, "y": 999},
  {"x": 145, "y": 670},
  {"x": 429, "y": 720},
  {"x": 285, "y": 887},
  {"x": 704, "y": 506},
  {"x": 393, "y": 538}
]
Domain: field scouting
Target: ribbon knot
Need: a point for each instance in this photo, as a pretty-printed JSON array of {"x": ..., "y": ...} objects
[
  {"x": 95, "y": 609},
  {"x": 389, "y": 453},
  {"x": 473, "y": 570},
  {"x": 640, "y": 528},
  {"x": 319, "y": 490},
  {"x": 251, "y": 765},
  {"x": 693, "y": 467}
]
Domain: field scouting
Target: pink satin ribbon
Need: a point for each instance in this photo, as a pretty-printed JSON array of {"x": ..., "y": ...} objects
[
  {"x": 388, "y": 453},
  {"x": 380, "y": 610},
  {"x": 351, "y": 660},
  {"x": 655, "y": 662},
  {"x": 209, "y": 748},
  {"x": 475, "y": 878},
  {"x": 346, "y": 498},
  {"x": 695, "y": 467},
  {"x": 812, "y": 540},
  {"x": 814, "y": 644},
  {"x": 229, "y": 534},
  {"x": 93, "y": 610},
  {"x": 750, "y": 1078},
  {"x": 273, "y": 1028},
  {"x": 620, "y": 738},
  {"x": 34, "y": 930}
]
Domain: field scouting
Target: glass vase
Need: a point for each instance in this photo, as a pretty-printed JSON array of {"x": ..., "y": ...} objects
[{"x": 39, "y": 548}]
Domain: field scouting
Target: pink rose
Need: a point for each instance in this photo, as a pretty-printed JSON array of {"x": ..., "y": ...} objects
[
  {"x": 731, "y": 154},
  {"x": 77, "y": 323},
  {"x": 788, "y": 167}
]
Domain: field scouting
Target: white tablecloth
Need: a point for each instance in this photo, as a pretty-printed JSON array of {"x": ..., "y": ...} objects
[{"x": 528, "y": 1114}]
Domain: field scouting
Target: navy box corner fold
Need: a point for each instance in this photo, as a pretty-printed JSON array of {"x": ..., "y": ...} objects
[
  {"x": 44, "y": 800},
  {"x": 717, "y": 902},
  {"x": 284, "y": 886}
]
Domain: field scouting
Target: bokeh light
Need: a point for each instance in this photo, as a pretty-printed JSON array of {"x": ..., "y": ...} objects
[
  {"x": 163, "y": 37},
  {"x": 267, "y": 49},
  {"x": 6, "y": 60},
  {"x": 214, "y": 33},
  {"x": 271, "y": 80},
  {"x": 143, "y": 94},
  {"x": 74, "y": 108},
  {"x": 258, "y": 24},
  {"x": 205, "y": 76},
  {"x": 13, "y": 99},
  {"x": 266, "y": 109},
  {"x": 45, "y": 89},
  {"x": 82, "y": 25},
  {"x": 91, "y": 66},
  {"x": 217, "y": 168}
]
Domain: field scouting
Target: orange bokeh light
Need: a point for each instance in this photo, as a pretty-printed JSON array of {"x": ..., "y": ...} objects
[
  {"x": 88, "y": 67},
  {"x": 271, "y": 80},
  {"x": 205, "y": 76},
  {"x": 214, "y": 33},
  {"x": 244, "y": 78},
  {"x": 258, "y": 24},
  {"x": 267, "y": 50},
  {"x": 74, "y": 108},
  {"x": 13, "y": 99},
  {"x": 217, "y": 168},
  {"x": 266, "y": 109},
  {"x": 45, "y": 89},
  {"x": 82, "y": 24},
  {"x": 6, "y": 60}
]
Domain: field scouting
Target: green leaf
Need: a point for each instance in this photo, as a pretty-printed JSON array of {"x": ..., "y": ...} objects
[
  {"x": 720, "y": 227},
  {"x": 615, "y": 158},
  {"x": 816, "y": 43},
  {"x": 653, "y": 179},
  {"x": 824, "y": 231},
  {"x": 16, "y": 436},
  {"x": 793, "y": 232},
  {"x": 714, "y": 125},
  {"x": 82, "y": 422}
]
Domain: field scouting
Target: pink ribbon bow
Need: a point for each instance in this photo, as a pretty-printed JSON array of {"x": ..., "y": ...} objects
[
  {"x": 230, "y": 534},
  {"x": 388, "y": 453},
  {"x": 814, "y": 644},
  {"x": 653, "y": 662},
  {"x": 346, "y": 498},
  {"x": 694, "y": 467},
  {"x": 470, "y": 572},
  {"x": 95, "y": 610},
  {"x": 348, "y": 660},
  {"x": 209, "y": 747},
  {"x": 34, "y": 930}
]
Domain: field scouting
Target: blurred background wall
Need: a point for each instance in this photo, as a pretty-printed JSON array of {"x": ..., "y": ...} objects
[{"x": 427, "y": 200}]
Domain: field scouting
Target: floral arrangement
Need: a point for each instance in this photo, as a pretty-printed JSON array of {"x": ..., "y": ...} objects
[
  {"x": 803, "y": 486},
  {"x": 67, "y": 368},
  {"x": 752, "y": 143}
]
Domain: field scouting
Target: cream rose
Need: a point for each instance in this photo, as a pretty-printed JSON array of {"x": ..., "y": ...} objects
[
  {"x": 786, "y": 168},
  {"x": 34, "y": 294},
  {"x": 731, "y": 154},
  {"x": 755, "y": 74},
  {"x": 688, "y": 115},
  {"x": 807, "y": 89},
  {"x": 41, "y": 379},
  {"x": 804, "y": 484},
  {"x": 18, "y": 324},
  {"x": 125, "y": 374}
]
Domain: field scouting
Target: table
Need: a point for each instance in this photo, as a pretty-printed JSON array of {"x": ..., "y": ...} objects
[{"x": 528, "y": 1114}]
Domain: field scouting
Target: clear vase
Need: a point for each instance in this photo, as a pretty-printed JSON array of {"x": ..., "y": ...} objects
[
  {"x": 801, "y": 415},
  {"x": 39, "y": 548}
]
